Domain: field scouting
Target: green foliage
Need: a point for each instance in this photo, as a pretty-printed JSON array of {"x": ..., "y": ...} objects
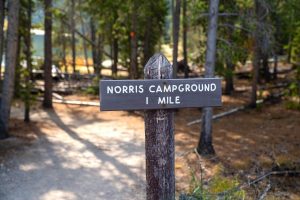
[
  {"x": 296, "y": 46},
  {"x": 220, "y": 184},
  {"x": 94, "y": 88},
  {"x": 26, "y": 88},
  {"x": 292, "y": 93},
  {"x": 218, "y": 187}
]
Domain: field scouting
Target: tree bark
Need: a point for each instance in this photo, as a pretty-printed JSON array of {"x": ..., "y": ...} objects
[
  {"x": 159, "y": 135},
  {"x": 133, "y": 43},
  {"x": 276, "y": 51},
  {"x": 114, "y": 67},
  {"x": 147, "y": 37},
  {"x": 17, "y": 84},
  {"x": 184, "y": 40},
  {"x": 73, "y": 38},
  {"x": 28, "y": 76},
  {"x": 275, "y": 66},
  {"x": 47, "y": 103},
  {"x": 229, "y": 88},
  {"x": 255, "y": 75},
  {"x": 2, "y": 16},
  {"x": 205, "y": 146},
  {"x": 86, "y": 58},
  {"x": 176, "y": 23},
  {"x": 10, "y": 66},
  {"x": 99, "y": 53},
  {"x": 266, "y": 70},
  {"x": 64, "y": 47},
  {"x": 256, "y": 54},
  {"x": 96, "y": 49}
]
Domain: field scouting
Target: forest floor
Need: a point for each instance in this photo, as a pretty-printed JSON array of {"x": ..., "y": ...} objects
[{"x": 77, "y": 152}]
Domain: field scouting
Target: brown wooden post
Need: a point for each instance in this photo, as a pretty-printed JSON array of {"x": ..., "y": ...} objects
[{"x": 159, "y": 131}]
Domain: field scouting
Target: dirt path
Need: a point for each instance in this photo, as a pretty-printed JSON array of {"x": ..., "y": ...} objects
[
  {"x": 79, "y": 153},
  {"x": 74, "y": 153}
]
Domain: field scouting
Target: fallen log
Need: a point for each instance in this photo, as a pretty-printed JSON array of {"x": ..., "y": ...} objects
[
  {"x": 223, "y": 114},
  {"x": 74, "y": 102},
  {"x": 234, "y": 110},
  {"x": 219, "y": 115},
  {"x": 57, "y": 96}
]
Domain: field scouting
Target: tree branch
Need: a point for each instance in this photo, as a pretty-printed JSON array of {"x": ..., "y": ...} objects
[
  {"x": 80, "y": 34},
  {"x": 235, "y": 26},
  {"x": 258, "y": 179},
  {"x": 264, "y": 193},
  {"x": 220, "y": 14},
  {"x": 84, "y": 37},
  {"x": 225, "y": 41}
]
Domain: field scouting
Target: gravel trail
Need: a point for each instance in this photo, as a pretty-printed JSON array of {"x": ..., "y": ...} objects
[{"x": 78, "y": 153}]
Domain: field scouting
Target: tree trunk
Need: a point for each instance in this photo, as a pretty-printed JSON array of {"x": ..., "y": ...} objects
[
  {"x": 133, "y": 43},
  {"x": 229, "y": 88},
  {"x": 257, "y": 53},
  {"x": 17, "y": 84},
  {"x": 176, "y": 23},
  {"x": 27, "y": 41},
  {"x": 276, "y": 51},
  {"x": 85, "y": 48},
  {"x": 266, "y": 70},
  {"x": 96, "y": 49},
  {"x": 99, "y": 53},
  {"x": 275, "y": 66},
  {"x": 73, "y": 39},
  {"x": 147, "y": 35},
  {"x": 10, "y": 66},
  {"x": 290, "y": 47},
  {"x": 114, "y": 67},
  {"x": 205, "y": 146},
  {"x": 255, "y": 75},
  {"x": 184, "y": 39},
  {"x": 64, "y": 47},
  {"x": 47, "y": 103},
  {"x": 2, "y": 16},
  {"x": 159, "y": 137}
]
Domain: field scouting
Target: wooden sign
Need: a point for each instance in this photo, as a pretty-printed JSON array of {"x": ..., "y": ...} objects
[{"x": 159, "y": 93}]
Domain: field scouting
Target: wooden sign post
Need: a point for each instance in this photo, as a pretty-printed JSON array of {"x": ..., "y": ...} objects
[
  {"x": 159, "y": 135},
  {"x": 157, "y": 95}
]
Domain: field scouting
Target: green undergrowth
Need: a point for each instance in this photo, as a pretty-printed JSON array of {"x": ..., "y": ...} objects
[
  {"x": 93, "y": 89},
  {"x": 217, "y": 187},
  {"x": 292, "y": 93}
]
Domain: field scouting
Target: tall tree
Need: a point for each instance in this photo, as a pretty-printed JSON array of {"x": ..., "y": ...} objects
[
  {"x": 84, "y": 44},
  {"x": 205, "y": 146},
  {"x": 147, "y": 35},
  {"x": 10, "y": 66},
  {"x": 47, "y": 103},
  {"x": 27, "y": 52},
  {"x": 259, "y": 48},
  {"x": 96, "y": 48},
  {"x": 115, "y": 45},
  {"x": 133, "y": 42},
  {"x": 184, "y": 39},
  {"x": 63, "y": 45},
  {"x": 2, "y": 16},
  {"x": 151, "y": 21},
  {"x": 73, "y": 38},
  {"x": 176, "y": 23}
]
